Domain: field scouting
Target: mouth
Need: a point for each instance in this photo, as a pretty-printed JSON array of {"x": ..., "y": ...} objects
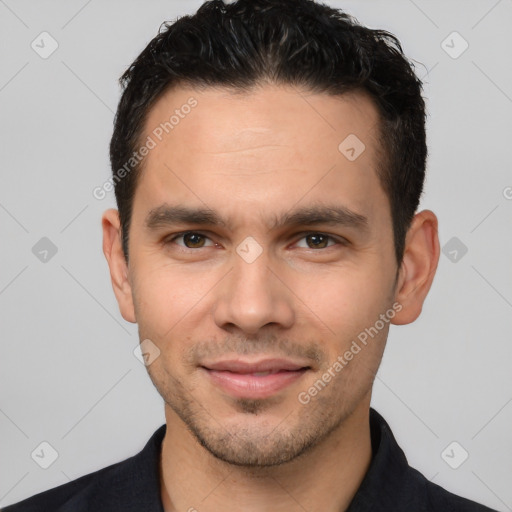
[{"x": 254, "y": 380}]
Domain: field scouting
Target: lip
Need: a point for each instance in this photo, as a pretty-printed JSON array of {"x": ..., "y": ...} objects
[
  {"x": 238, "y": 379},
  {"x": 263, "y": 365}
]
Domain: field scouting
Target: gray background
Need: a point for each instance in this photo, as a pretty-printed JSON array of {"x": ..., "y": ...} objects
[{"x": 68, "y": 374}]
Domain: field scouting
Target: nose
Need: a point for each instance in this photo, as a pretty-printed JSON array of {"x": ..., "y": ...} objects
[{"x": 252, "y": 296}]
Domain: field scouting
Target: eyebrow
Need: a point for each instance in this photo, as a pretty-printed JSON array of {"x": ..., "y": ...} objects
[{"x": 167, "y": 215}]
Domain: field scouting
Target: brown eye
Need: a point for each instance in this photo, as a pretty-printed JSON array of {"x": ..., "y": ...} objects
[
  {"x": 318, "y": 241},
  {"x": 191, "y": 240}
]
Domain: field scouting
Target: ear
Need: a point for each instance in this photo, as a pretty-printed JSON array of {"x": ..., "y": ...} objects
[
  {"x": 112, "y": 249},
  {"x": 421, "y": 256}
]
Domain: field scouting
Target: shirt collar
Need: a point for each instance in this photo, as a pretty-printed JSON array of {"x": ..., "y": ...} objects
[
  {"x": 388, "y": 476},
  {"x": 381, "y": 486}
]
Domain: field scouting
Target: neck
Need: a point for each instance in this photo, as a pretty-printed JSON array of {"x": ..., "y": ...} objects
[{"x": 325, "y": 478}]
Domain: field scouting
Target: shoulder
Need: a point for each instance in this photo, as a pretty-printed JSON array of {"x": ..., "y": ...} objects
[
  {"x": 54, "y": 499},
  {"x": 129, "y": 485},
  {"x": 392, "y": 484},
  {"x": 438, "y": 498}
]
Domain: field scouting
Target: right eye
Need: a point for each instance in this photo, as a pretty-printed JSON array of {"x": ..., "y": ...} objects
[{"x": 191, "y": 240}]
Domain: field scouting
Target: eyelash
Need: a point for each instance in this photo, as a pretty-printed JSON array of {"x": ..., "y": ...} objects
[{"x": 339, "y": 241}]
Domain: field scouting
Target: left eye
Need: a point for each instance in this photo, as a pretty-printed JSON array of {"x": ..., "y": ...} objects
[{"x": 317, "y": 240}]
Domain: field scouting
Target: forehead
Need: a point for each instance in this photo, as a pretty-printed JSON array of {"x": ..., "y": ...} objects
[
  {"x": 279, "y": 144},
  {"x": 266, "y": 111}
]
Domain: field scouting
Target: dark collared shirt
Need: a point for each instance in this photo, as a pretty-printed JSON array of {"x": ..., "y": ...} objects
[{"x": 133, "y": 485}]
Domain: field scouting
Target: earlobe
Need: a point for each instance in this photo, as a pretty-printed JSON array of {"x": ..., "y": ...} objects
[
  {"x": 421, "y": 256},
  {"x": 112, "y": 249}
]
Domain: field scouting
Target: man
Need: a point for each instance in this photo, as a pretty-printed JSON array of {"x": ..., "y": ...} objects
[{"x": 268, "y": 158}]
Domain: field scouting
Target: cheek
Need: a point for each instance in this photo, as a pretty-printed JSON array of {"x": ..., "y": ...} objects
[
  {"x": 345, "y": 300},
  {"x": 164, "y": 297},
  {"x": 165, "y": 307},
  {"x": 346, "y": 307}
]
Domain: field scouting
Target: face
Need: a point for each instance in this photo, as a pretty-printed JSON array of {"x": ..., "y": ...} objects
[{"x": 259, "y": 244}]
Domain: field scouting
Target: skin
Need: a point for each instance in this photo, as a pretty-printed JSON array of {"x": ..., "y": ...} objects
[{"x": 251, "y": 157}]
